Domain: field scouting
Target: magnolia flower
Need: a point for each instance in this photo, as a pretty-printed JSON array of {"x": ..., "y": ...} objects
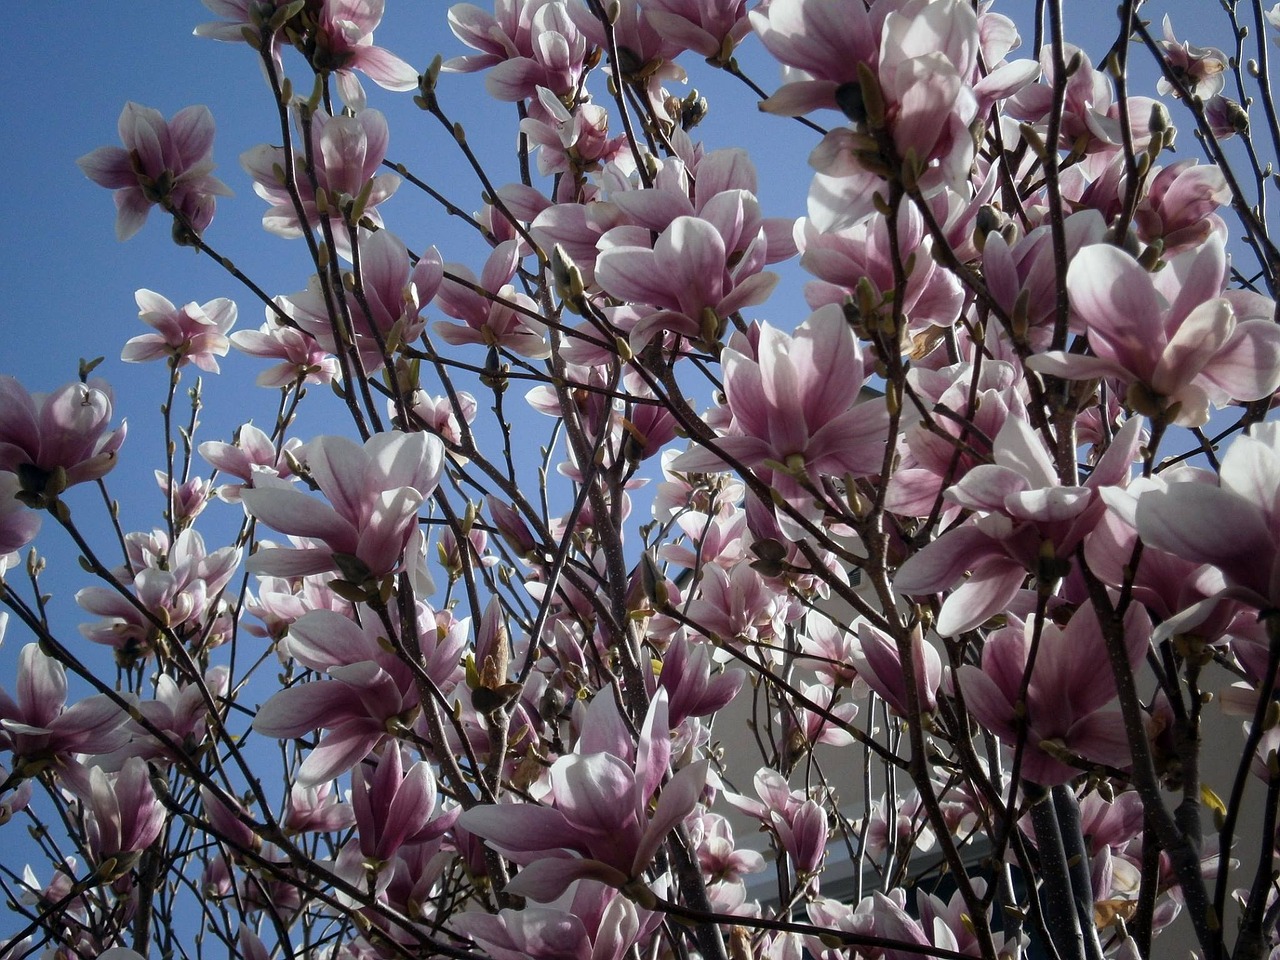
[
  {"x": 1234, "y": 526},
  {"x": 601, "y": 821},
  {"x": 124, "y": 815},
  {"x": 300, "y": 354},
  {"x": 528, "y": 45},
  {"x": 18, "y": 523},
  {"x": 252, "y": 455},
  {"x": 1062, "y": 710},
  {"x": 711, "y": 28},
  {"x": 373, "y": 495},
  {"x": 1172, "y": 336},
  {"x": 589, "y": 922},
  {"x": 42, "y": 434},
  {"x": 165, "y": 163},
  {"x": 388, "y": 313},
  {"x": 1201, "y": 70},
  {"x": 1026, "y": 521},
  {"x": 698, "y": 271},
  {"x": 792, "y": 422},
  {"x": 40, "y": 729},
  {"x": 503, "y": 318},
  {"x": 342, "y": 41},
  {"x": 196, "y": 333},
  {"x": 347, "y": 153}
]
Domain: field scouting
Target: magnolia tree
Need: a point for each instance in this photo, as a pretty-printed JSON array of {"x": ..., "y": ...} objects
[{"x": 908, "y": 649}]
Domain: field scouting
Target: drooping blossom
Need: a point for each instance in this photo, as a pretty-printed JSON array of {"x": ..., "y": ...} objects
[
  {"x": 791, "y": 422},
  {"x": 1172, "y": 336},
  {"x": 373, "y": 493},
  {"x": 61, "y": 431},
  {"x": 166, "y": 163},
  {"x": 195, "y": 333},
  {"x": 347, "y": 153}
]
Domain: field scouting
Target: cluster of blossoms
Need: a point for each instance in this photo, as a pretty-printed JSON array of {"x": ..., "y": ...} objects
[{"x": 967, "y": 551}]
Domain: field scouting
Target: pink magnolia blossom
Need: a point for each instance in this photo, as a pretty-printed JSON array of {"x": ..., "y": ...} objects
[
  {"x": 566, "y": 142},
  {"x": 19, "y": 524},
  {"x": 125, "y": 817},
  {"x": 643, "y": 52},
  {"x": 180, "y": 585},
  {"x": 711, "y": 28},
  {"x": 317, "y": 809},
  {"x": 1180, "y": 206},
  {"x": 367, "y": 695},
  {"x": 186, "y": 500},
  {"x": 395, "y": 806},
  {"x": 499, "y": 36},
  {"x": 932, "y": 461},
  {"x": 347, "y": 153},
  {"x": 161, "y": 162},
  {"x": 793, "y": 423},
  {"x": 241, "y": 14},
  {"x": 394, "y": 293},
  {"x": 599, "y": 823},
  {"x": 1090, "y": 114},
  {"x": 196, "y": 333},
  {"x": 503, "y": 318},
  {"x": 38, "y": 727},
  {"x": 251, "y": 457},
  {"x": 845, "y": 259},
  {"x": 687, "y": 678},
  {"x": 880, "y": 667},
  {"x": 1234, "y": 526},
  {"x": 373, "y": 493},
  {"x": 1070, "y": 685},
  {"x": 64, "y": 430},
  {"x": 589, "y": 921},
  {"x": 823, "y": 42},
  {"x": 1173, "y": 336},
  {"x": 1202, "y": 70},
  {"x": 691, "y": 274},
  {"x": 180, "y": 712},
  {"x": 301, "y": 356},
  {"x": 1024, "y": 518},
  {"x": 342, "y": 42},
  {"x": 529, "y": 45}
]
